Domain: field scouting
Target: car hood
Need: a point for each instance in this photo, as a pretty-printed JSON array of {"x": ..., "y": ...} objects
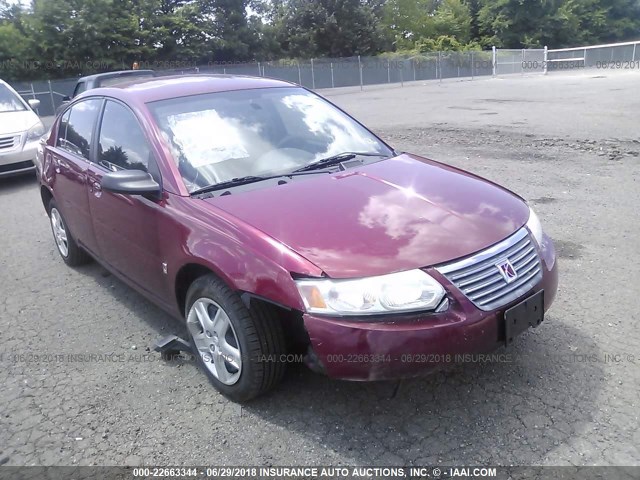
[
  {"x": 398, "y": 214},
  {"x": 17, "y": 122}
]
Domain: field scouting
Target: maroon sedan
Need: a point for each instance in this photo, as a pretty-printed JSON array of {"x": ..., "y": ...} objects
[{"x": 274, "y": 223}]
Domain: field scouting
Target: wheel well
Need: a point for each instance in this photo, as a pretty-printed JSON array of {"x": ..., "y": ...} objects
[
  {"x": 295, "y": 333},
  {"x": 185, "y": 277},
  {"x": 46, "y": 197}
]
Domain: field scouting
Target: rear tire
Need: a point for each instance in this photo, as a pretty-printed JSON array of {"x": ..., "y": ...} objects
[
  {"x": 67, "y": 247},
  {"x": 240, "y": 350}
]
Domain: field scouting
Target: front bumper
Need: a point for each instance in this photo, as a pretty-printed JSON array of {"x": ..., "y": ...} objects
[
  {"x": 18, "y": 160},
  {"x": 412, "y": 345}
]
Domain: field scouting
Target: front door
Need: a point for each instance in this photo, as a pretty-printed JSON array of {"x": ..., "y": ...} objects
[{"x": 126, "y": 226}]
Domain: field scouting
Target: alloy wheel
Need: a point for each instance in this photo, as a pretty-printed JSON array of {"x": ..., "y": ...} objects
[
  {"x": 215, "y": 338},
  {"x": 59, "y": 232}
]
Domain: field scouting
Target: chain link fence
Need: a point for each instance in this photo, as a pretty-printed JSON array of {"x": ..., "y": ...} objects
[
  {"x": 611, "y": 56},
  {"x": 336, "y": 72},
  {"x": 49, "y": 92},
  {"x": 511, "y": 61}
]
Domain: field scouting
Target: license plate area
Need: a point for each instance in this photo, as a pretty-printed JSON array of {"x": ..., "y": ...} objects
[{"x": 528, "y": 313}]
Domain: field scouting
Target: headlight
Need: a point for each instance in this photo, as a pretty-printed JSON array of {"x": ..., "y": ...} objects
[
  {"x": 35, "y": 132},
  {"x": 397, "y": 292},
  {"x": 534, "y": 226}
]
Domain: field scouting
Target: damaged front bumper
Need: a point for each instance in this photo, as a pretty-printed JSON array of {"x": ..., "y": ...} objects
[{"x": 415, "y": 344}]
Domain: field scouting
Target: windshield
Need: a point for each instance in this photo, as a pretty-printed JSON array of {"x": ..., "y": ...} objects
[
  {"x": 217, "y": 137},
  {"x": 9, "y": 101}
]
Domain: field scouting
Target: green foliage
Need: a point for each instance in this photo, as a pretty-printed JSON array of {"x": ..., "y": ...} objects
[
  {"x": 443, "y": 43},
  {"x": 334, "y": 28},
  {"x": 57, "y": 38},
  {"x": 557, "y": 23},
  {"x": 420, "y": 23}
]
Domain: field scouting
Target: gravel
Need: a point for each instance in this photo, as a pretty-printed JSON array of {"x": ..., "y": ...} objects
[{"x": 566, "y": 393}]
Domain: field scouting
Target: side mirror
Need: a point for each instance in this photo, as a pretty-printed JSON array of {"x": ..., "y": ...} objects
[
  {"x": 33, "y": 103},
  {"x": 131, "y": 182},
  {"x": 66, "y": 98}
]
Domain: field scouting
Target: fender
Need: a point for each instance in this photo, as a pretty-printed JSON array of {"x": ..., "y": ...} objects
[{"x": 245, "y": 258}]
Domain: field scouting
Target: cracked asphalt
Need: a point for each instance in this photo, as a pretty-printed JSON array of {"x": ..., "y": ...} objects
[{"x": 567, "y": 393}]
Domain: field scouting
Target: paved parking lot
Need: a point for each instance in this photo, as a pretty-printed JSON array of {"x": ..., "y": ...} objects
[{"x": 566, "y": 393}]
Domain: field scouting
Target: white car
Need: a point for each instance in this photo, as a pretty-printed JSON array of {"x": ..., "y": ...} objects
[{"x": 20, "y": 132}]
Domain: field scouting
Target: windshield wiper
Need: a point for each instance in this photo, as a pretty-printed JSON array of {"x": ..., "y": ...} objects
[
  {"x": 335, "y": 159},
  {"x": 235, "y": 182}
]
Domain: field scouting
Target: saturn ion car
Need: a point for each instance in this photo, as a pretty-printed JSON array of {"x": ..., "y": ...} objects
[
  {"x": 272, "y": 222},
  {"x": 20, "y": 132}
]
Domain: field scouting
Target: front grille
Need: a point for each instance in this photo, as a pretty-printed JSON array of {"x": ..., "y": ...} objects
[
  {"x": 479, "y": 277},
  {"x": 16, "y": 166},
  {"x": 8, "y": 142}
]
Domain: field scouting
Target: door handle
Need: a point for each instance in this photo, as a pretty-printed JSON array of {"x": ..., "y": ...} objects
[{"x": 96, "y": 188}]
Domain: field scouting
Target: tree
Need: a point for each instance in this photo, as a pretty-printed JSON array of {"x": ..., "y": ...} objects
[
  {"x": 557, "y": 23},
  {"x": 418, "y": 23},
  {"x": 74, "y": 36},
  {"x": 15, "y": 50},
  {"x": 62, "y": 38},
  {"x": 167, "y": 30},
  {"x": 334, "y": 28},
  {"x": 228, "y": 35}
]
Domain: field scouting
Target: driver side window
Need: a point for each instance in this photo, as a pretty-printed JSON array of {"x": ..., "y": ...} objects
[{"x": 122, "y": 144}]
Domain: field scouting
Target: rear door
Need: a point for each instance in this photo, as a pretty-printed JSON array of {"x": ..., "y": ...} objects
[
  {"x": 126, "y": 226},
  {"x": 71, "y": 163}
]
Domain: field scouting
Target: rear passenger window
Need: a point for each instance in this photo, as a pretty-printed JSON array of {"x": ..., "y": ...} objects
[
  {"x": 76, "y": 127},
  {"x": 122, "y": 145}
]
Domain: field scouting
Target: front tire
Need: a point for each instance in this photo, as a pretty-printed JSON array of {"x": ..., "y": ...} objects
[
  {"x": 68, "y": 249},
  {"x": 240, "y": 350}
]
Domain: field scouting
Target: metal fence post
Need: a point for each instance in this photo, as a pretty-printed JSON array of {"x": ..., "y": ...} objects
[
  {"x": 544, "y": 63},
  {"x": 332, "y": 81},
  {"x": 53, "y": 101},
  {"x": 401, "y": 76},
  {"x": 471, "y": 64},
  {"x": 299, "y": 73},
  {"x": 313, "y": 76},
  {"x": 440, "y": 62},
  {"x": 388, "y": 71},
  {"x": 633, "y": 57},
  {"x": 259, "y": 70},
  {"x": 360, "y": 69},
  {"x": 584, "y": 57},
  {"x": 522, "y": 63},
  {"x": 413, "y": 65},
  {"x": 494, "y": 60}
]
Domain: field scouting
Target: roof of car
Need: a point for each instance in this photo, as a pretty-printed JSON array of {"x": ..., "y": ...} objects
[
  {"x": 160, "y": 88},
  {"x": 119, "y": 73}
]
